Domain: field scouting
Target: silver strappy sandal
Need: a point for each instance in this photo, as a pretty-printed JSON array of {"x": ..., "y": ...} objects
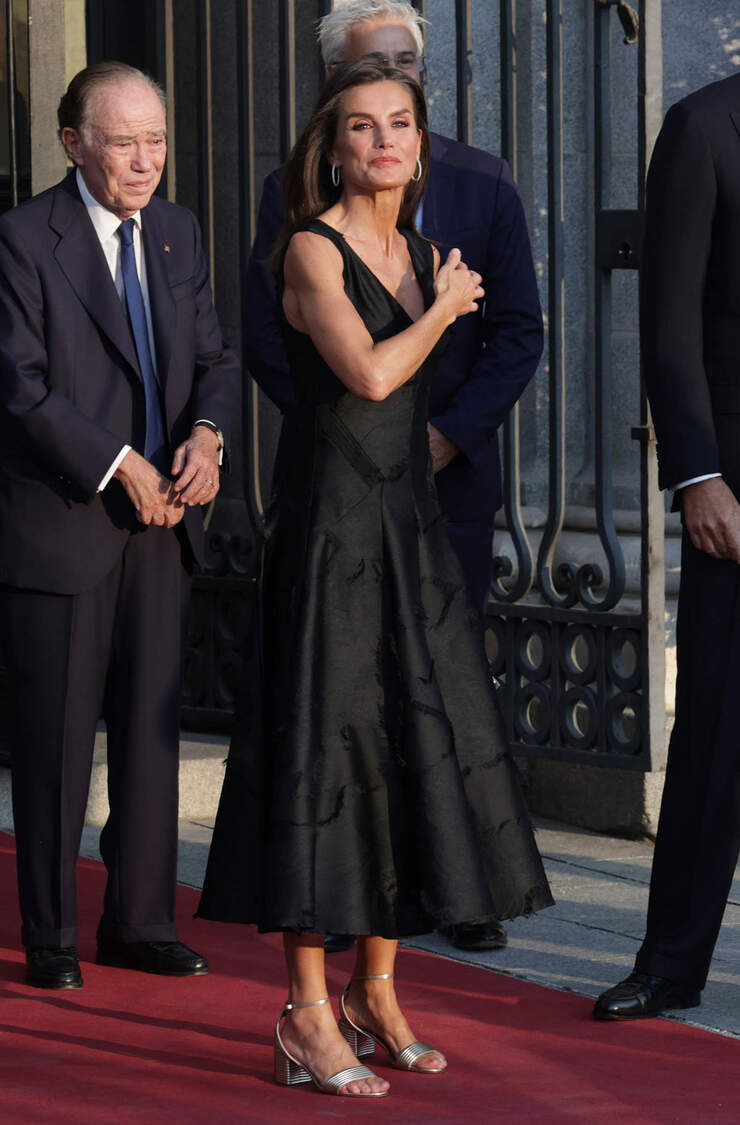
[
  {"x": 290, "y": 1072},
  {"x": 362, "y": 1040}
]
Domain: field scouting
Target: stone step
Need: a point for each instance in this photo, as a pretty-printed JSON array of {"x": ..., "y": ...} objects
[{"x": 202, "y": 758}]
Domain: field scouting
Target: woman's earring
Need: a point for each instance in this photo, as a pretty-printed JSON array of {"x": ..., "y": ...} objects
[
  {"x": 419, "y": 171},
  {"x": 335, "y": 175}
]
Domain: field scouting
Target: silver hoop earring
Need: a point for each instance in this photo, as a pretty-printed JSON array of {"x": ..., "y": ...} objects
[
  {"x": 419, "y": 171},
  {"x": 336, "y": 177}
]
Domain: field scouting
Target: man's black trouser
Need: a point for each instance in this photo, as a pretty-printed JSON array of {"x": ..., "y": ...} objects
[
  {"x": 113, "y": 651},
  {"x": 699, "y": 830}
]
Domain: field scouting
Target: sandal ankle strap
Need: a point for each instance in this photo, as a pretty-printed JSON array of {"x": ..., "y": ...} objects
[
  {"x": 290, "y": 1006},
  {"x": 375, "y": 976}
]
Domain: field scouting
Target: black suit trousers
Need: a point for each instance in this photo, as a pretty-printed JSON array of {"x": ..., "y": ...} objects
[
  {"x": 699, "y": 830},
  {"x": 113, "y": 651}
]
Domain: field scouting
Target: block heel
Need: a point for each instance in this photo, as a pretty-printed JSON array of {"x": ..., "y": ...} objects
[
  {"x": 362, "y": 1044},
  {"x": 363, "y": 1040}
]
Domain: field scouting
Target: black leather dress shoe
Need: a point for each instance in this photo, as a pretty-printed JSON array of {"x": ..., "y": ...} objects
[
  {"x": 476, "y": 936},
  {"x": 338, "y": 943},
  {"x": 53, "y": 968},
  {"x": 169, "y": 958},
  {"x": 640, "y": 996}
]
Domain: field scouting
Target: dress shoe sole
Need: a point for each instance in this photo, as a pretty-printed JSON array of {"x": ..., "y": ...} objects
[
  {"x": 116, "y": 963},
  {"x": 40, "y": 982},
  {"x": 676, "y": 1003}
]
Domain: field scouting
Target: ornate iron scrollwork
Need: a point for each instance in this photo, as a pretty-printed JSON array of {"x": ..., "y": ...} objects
[
  {"x": 574, "y": 667},
  {"x": 571, "y": 685}
]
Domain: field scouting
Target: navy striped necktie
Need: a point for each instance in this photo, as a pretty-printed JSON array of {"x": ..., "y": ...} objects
[{"x": 155, "y": 444}]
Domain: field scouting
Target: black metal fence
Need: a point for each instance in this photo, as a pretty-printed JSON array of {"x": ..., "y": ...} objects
[
  {"x": 581, "y": 659},
  {"x": 581, "y": 662},
  {"x": 583, "y": 666}
]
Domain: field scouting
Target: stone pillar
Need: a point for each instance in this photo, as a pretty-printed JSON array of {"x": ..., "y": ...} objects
[{"x": 48, "y": 81}]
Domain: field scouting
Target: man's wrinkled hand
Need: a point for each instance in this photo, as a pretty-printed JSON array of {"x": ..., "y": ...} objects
[
  {"x": 195, "y": 465},
  {"x": 153, "y": 497},
  {"x": 711, "y": 515},
  {"x": 441, "y": 448}
]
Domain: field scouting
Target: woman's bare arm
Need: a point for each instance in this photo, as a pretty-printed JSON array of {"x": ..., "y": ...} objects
[{"x": 315, "y": 302}]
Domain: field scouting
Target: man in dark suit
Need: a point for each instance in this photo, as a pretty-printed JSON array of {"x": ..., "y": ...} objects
[
  {"x": 471, "y": 203},
  {"x": 115, "y": 391},
  {"x": 691, "y": 358}
]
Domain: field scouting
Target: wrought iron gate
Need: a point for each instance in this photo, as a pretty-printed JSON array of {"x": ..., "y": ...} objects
[
  {"x": 581, "y": 658},
  {"x": 582, "y": 662},
  {"x": 580, "y": 654}
]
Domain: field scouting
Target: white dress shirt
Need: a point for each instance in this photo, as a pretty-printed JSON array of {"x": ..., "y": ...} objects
[{"x": 106, "y": 226}]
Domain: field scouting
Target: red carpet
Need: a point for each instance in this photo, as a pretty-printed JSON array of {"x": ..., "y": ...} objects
[{"x": 130, "y": 1047}]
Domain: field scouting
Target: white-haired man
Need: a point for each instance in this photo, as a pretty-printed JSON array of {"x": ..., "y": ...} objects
[
  {"x": 116, "y": 388},
  {"x": 471, "y": 203}
]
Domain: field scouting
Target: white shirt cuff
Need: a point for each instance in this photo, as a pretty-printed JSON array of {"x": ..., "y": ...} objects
[
  {"x": 694, "y": 480},
  {"x": 126, "y": 449}
]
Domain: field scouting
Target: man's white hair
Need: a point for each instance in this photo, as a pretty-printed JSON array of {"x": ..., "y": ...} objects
[{"x": 334, "y": 27}]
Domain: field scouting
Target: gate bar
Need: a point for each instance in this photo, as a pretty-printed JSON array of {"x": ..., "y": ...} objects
[
  {"x": 10, "y": 75},
  {"x": 250, "y": 394},
  {"x": 602, "y": 333},
  {"x": 205, "y": 131},
  {"x": 556, "y": 308},
  {"x": 287, "y": 77},
  {"x": 502, "y": 565},
  {"x": 464, "y": 46}
]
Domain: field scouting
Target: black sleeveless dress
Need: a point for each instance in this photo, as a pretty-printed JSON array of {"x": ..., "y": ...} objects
[{"x": 368, "y": 789}]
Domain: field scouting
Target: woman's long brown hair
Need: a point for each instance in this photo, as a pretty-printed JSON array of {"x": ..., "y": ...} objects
[{"x": 307, "y": 187}]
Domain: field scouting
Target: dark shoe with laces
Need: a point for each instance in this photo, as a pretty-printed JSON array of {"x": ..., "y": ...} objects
[
  {"x": 53, "y": 968},
  {"x": 476, "y": 937},
  {"x": 168, "y": 958},
  {"x": 640, "y": 996},
  {"x": 338, "y": 943}
]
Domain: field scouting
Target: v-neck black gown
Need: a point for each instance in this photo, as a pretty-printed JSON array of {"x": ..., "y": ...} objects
[{"x": 368, "y": 789}]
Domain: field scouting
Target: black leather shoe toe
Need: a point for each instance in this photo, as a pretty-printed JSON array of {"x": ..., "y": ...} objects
[
  {"x": 476, "y": 936},
  {"x": 338, "y": 943},
  {"x": 168, "y": 958},
  {"x": 639, "y": 996},
  {"x": 53, "y": 968}
]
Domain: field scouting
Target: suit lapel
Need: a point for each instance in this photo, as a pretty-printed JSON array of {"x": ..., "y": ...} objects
[
  {"x": 81, "y": 259},
  {"x": 164, "y": 311}
]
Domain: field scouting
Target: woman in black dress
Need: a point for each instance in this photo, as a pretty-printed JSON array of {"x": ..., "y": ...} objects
[{"x": 370, "y": 791}]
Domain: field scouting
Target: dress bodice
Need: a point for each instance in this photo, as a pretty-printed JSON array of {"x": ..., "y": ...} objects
[{"x": 381, "y": 313}]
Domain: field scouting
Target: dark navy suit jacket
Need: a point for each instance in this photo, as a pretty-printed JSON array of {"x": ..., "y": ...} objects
[
  {"x": 71, "y": 393},
  {"x": 690, "y": 287},
  {"x": 471, "y": 202}
]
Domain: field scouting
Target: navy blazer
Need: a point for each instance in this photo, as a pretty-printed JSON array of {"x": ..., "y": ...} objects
[
  {"x": 472, "y": 203},
  {"x": 71, "y": 393}
]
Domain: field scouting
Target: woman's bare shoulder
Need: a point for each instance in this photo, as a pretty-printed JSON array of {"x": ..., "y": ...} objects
[{"x": 310, "y": 255}]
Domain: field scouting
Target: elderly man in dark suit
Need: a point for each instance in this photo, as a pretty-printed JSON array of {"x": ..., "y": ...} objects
[
  {"x": 115, "y": 393},
  {"x": 471, "y": 203},
  {"x": 691, "y": 361}
]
